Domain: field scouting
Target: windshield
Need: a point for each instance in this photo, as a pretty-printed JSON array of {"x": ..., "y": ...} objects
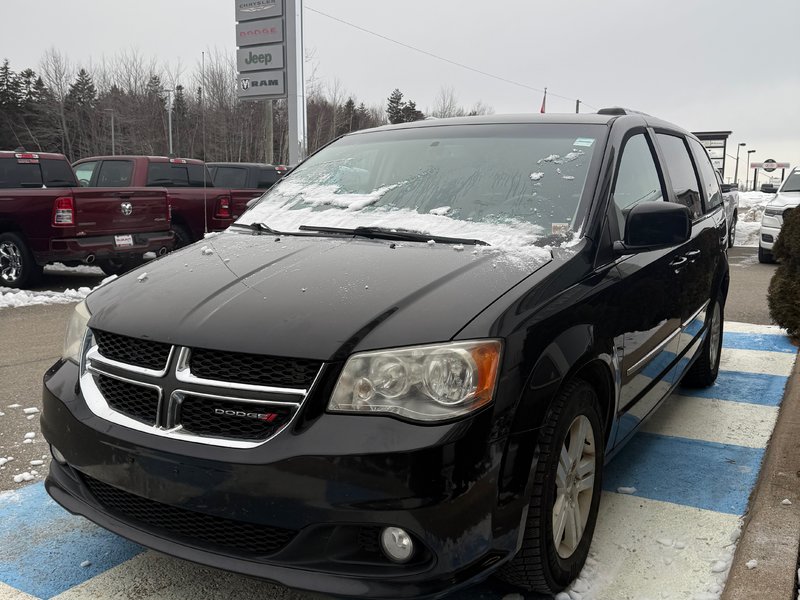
[
  {"x": 490, "y": 182},
  {"x": 792, "y": 183}
]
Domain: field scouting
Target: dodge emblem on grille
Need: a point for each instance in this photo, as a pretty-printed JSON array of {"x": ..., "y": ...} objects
[
  {"x": 268, "y": 417},
  {"x": 126, "y": 208}
]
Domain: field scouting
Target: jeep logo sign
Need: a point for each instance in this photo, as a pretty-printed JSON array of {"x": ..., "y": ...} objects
[
  {"x": 257, "y": 58},
  {"x": 259, "y": 84}
]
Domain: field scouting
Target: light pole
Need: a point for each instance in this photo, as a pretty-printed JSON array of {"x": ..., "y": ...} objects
[
  {"x": 113, "y": 140},
  {"x": 747, "y": 179},
  {"x": 736, "y": 174},
  {"x": 169, "y": 117}
]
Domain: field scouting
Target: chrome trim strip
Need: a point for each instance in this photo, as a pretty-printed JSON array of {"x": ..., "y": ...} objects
[
  {"x": 97, "y": 403},
  {"x": 184, "y": 374},
  {"x": 93, "y": 355},
  {"x": 695, "y": 315},
  {"x": 653, "y": 353}
]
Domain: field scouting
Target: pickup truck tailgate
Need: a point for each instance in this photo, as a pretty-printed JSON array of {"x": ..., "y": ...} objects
[{"x": 106, "y": 211}]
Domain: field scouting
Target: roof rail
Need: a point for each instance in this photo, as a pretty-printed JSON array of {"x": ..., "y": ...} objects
[{"x": 620, "y": 111}]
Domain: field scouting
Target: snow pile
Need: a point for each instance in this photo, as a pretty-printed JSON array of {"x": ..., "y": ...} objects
[
  {"x": 80, "y": 269},
  {"x": 751, "y": 209},
  {"x": 13, "y": 298}
]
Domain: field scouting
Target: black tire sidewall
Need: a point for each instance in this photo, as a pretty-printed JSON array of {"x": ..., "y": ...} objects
[{"x": 582, "y": 400}]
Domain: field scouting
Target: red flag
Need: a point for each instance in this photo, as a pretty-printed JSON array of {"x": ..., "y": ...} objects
[{"x": 544, "y": 100}]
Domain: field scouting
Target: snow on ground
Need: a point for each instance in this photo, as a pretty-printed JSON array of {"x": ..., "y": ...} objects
[
  {"x": 14, "y": 298},
  {"x": 81, "y": 269},
  {"x": 751, "y": 207}
]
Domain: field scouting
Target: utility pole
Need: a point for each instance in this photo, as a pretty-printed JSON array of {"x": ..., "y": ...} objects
[
  {"x": 295, "y": 88},
  {"x": 577, "y": 106},
  {"x": 269, "y": 134},
  {"x": 169, "y": 117},
  {"x": 736, "y": 174},
  {"x": 747, "y": 179}
]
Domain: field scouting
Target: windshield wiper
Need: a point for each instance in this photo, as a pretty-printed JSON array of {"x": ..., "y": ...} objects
[
  {"x": 261, "y": 228},
  {"x": 386, "y": 233}
]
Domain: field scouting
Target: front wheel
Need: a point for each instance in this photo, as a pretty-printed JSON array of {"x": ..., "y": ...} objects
[
  {"x": 765, "y": 256},
  {"x": 18, "y": 269},
  {"x": 732, "y": 234},
  {"x": 705, "y": 369},
  {"x": 566, "y": 494}
]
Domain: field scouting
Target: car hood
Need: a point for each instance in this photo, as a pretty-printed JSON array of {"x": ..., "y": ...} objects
[
  {"x": 785, "y": 199},
  {"x": 307, "y": 297}
]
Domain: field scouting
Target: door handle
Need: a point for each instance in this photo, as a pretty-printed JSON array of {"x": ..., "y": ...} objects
[
  {"x": 679, "y": 263},
  {"x": 693, "y": 255}
]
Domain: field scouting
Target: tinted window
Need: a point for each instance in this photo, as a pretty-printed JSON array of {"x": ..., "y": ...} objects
[
  {"x": 681, "y": 172},
  {"x": 792, "y": 183},
  {"x": 230, "y": 177},
  {"x": 115, "y": 173},
  {"x": 177, "y": 174},
  {"x": 57, "y": 173},
  {"x": 707, "y": 173},
  {"x": 637, "y": 179},
  {"x": 266, "y": 178},
  {"x": 84, "y": 172},
  {"x": 16, "y": 174}
]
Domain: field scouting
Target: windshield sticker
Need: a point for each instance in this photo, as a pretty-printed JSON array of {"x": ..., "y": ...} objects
[{"x": 585, "y": 142}]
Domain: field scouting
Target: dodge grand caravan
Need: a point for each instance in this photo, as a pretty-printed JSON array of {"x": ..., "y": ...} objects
[{"x": 403, "y": 369}]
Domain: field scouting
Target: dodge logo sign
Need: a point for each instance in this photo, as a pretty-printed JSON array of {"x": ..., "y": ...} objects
[
  {"x": 126, "y": 208},
  {"x": 245, "y": 84}
]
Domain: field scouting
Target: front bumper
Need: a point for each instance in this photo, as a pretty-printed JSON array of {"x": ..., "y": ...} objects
[
  {"x": 771, "y": 233},
  {"x": 103, "y": 247},
  {"x": 344, "y": 483}
]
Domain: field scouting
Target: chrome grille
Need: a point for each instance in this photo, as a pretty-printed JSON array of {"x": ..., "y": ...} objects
[
  {"x": 136, "y": 401},
  {"x": 253, "y": 369},
  {"x": 132, "y": 351},
  {"x": 228, "y": 534},
  {"x": 210, "y": 407}
]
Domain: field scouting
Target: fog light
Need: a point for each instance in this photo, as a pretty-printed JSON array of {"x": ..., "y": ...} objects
[
  {"x": 57, "y": 455},
  {"x": 397, "y": 544},
  {"x": 766, "y": 237}
]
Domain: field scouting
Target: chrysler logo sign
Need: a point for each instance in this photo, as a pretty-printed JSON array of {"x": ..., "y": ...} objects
[{"x": 126, "y": 208}]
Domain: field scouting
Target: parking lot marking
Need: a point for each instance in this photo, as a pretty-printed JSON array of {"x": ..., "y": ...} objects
[
  {"x": 750, "y": 388},
  {"x": 735, "y": 326},
  {"x": 42, "y": 546},
  {"x": 757, "y": 361},
  {"x": 9, "y": 593},
  {"x": 755, "y": 341},
  {"x": 733, "y": 422},
  {"x": 705, "y": 475}
]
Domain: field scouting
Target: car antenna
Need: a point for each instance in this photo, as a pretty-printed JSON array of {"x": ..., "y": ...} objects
[{"x": 203, "y": 119}]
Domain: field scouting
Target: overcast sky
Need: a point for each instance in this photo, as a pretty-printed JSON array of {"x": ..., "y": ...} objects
[{"x": 705, "y": 65}]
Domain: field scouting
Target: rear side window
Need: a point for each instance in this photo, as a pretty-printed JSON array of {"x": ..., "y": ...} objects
[
  {"x": 707, "y": 174},
  {"x": 637, "y": 179},
  {"x": 177, "y": 175},
  {"x": 681, "y": 173},
  {"x": 16, "y": 174},
  {"x": 115, "y": 173},
  {"x": 267, "y": 178},
  {"x": 230, "y": 177},
  {"x": 57, "y": 173}
]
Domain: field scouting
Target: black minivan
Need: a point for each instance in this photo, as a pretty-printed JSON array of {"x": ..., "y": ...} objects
[{"x": 404, "y": 368}]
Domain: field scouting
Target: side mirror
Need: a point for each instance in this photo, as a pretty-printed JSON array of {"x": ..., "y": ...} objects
[
  {"x": 655, "y": 226},
  {"x": 728, "y": 187}
]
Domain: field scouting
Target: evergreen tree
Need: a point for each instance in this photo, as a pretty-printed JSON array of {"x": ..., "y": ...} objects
[
  {"x": 394, "y": 108},
  {"x": 10, "y": 92},
  {"x": 347, "y": 119},
  {"x": 410, "y": 113},
  {"x": 82, "y": 93}
]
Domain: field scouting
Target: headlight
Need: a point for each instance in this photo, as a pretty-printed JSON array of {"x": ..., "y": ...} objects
[
  {"x": 424, "y": 383},
  {"x": 76, "y": 333},
  {"x": 774, "y": 212}
]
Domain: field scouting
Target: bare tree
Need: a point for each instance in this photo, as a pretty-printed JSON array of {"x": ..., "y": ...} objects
[{"x": 57, "y": 74}]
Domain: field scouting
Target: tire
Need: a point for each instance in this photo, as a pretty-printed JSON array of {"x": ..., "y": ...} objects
[
  {"x": 182, "y": 236},
  {"x": 118, "y": 266},
  {"x": 705, "y": 369},
  {"x": 732, "y": 233},
  {"x": 541, "y": 565},
  {"x": 18, "y": 269},
  {"x": 765, "y": 257}
]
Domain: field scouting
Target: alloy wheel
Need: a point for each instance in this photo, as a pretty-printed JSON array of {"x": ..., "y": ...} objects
[
  {"x": 574, "y": 486},
  {"x": 10, "y": 262},
  {"x": 715, "y": 333}
]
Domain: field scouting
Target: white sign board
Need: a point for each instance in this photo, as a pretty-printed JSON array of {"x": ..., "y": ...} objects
[
  {"x": 263, "y": 31},
  {"x": 247, "y": 10},
  {"x": 257, "y": 58},
  {"x": 259, "y": 84}
]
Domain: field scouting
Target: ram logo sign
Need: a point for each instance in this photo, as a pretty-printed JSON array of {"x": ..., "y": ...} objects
[{"x": 259, "y": 84}]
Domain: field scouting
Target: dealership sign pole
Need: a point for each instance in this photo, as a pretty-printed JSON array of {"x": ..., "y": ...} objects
[{"x": 269, "y": 57}]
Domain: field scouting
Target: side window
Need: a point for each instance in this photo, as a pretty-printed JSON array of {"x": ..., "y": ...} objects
[
  {"x": 707, "y": 174},
  {"x": 637, "y": 179},
  {"x": 681, "y": 172},
  {"x": 230, "y": 177},
  {"x": 267, "y": 178},
  {"x": 115, "y": 173},
  {"x": 57, "y": 173},
  {"x": 84, "y": 172}
]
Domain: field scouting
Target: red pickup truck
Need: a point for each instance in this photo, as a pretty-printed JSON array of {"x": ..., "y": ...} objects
[
  {"x": 45, "y": 217},
  {"x": 197, "y": 206}
]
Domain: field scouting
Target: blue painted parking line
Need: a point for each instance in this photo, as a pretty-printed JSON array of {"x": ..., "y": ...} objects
[
  {"x": 695, "y": 473},
  {"x": 763, "y": 342},
  {"x": 753, "y": 388},
  {"x": 42, "y": 546}
]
